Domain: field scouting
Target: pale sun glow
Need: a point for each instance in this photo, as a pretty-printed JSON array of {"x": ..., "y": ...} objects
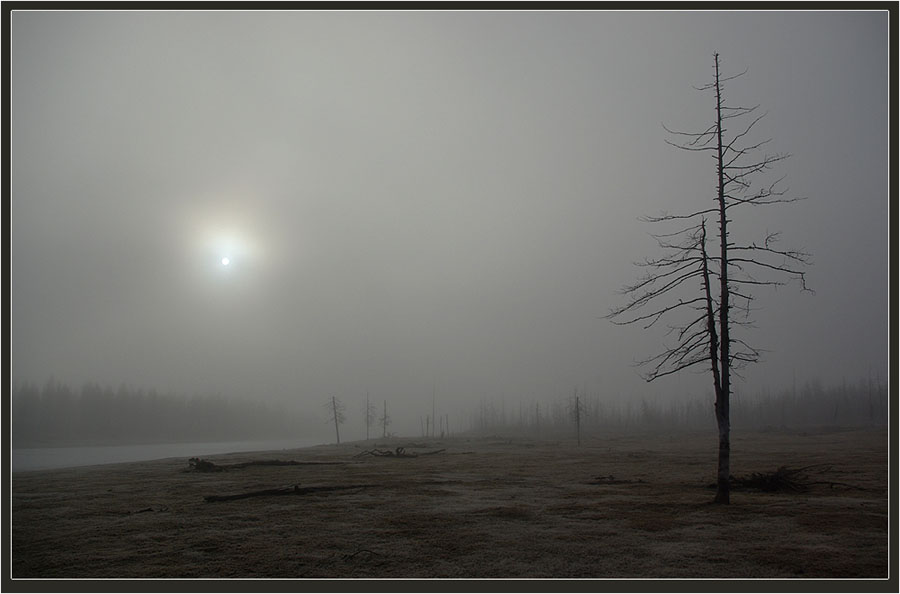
[{"x": 224, "y": 236}]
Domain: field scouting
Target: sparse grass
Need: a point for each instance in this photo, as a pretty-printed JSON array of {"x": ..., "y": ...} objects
[{"x": 482, "y": 508}]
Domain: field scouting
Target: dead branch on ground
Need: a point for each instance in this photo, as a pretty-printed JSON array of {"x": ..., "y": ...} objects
[
  {"x": 430, "y": 453},
  {"x": 160, "y": 508},
  {"x": 611, "y": 480},
  {"x": 399, "y": 452},
  {"x": 350, "y": 557},
  {"x": 784, "y": 479}
]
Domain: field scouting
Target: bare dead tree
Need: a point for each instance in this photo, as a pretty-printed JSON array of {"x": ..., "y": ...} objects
[
  {"x": 385, "y": 420},
  {"x": 577, "y": 410},
  {"x": 337, "y": 416},
  {"x": 371, "y": 411},
  {"x": 704, "y": 296}
]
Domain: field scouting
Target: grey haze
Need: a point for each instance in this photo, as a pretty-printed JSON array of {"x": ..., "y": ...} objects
[{"x": 427, "y": 202}]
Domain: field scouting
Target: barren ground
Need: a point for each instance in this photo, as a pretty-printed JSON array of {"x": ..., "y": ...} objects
[{"x": 491, "y": 507}]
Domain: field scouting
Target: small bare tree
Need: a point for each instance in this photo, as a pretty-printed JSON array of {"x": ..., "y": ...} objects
[
  {"x": 577, "y": 410},
  {"x": 704, "y": 295},
  {"x": 385, "y": 420},
  {"x": 370, "y": 415},
  {"x": 337, "y": 416}
]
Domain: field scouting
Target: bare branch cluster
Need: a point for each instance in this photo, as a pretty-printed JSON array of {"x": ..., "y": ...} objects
[
  {"x": 667, "y": 289},
  {"x": 649, "y": 301},
  {"x": 336, "y": 410}
]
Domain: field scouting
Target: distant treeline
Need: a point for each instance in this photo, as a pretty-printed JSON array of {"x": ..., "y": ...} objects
[
  {"x": 845, "y": 405},
  {"x": 56, "y": 415}
]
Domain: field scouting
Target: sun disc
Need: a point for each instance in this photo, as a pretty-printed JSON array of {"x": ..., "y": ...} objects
[{"x": 226, "y": 261}]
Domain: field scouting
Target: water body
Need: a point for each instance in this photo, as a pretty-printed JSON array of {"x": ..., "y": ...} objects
[{"x": 51, "y": 458}]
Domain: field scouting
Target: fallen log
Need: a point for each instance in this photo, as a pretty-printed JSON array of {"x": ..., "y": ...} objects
[
  {"x": 295, "y": 490},
  {"x": 611, "y": 480},
  {"x": 160, "y": 508},
  {"x": 280, "y": 463},
  {"x": 434, "y": 452},
  {"x": 200, "y": 465}
]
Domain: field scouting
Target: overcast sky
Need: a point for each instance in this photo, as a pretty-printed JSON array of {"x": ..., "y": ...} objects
[{"x": 416, "y": 201}]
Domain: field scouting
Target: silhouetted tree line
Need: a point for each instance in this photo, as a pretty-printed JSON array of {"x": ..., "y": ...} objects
[
  {"x": 55, "y": 414},
  {"x": 864, "y": 403}
]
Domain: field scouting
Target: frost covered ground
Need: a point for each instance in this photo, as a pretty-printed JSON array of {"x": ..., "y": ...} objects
[{"x": 618, "y": 506}]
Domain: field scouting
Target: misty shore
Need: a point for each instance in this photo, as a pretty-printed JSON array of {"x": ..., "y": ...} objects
[
  {"x": 51, "y": 458},
  {"x": 625, "y": 506}
]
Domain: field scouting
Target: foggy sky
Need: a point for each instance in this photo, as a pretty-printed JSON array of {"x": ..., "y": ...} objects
[{"x": 418, "y": 202}]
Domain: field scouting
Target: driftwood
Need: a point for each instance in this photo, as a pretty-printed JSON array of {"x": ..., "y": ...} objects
[
  {"x": 295, "y": 490},
  {"x": 399, "y": 452},
  {"x": 200, "y": 465}
]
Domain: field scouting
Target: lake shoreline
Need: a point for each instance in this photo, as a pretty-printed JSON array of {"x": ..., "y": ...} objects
[{"x": 58, "y": 458}]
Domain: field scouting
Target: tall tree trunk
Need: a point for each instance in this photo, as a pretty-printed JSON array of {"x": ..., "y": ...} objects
[
  {"x": 710, "y": 316},
  {"x": 722, "y": 395}
]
